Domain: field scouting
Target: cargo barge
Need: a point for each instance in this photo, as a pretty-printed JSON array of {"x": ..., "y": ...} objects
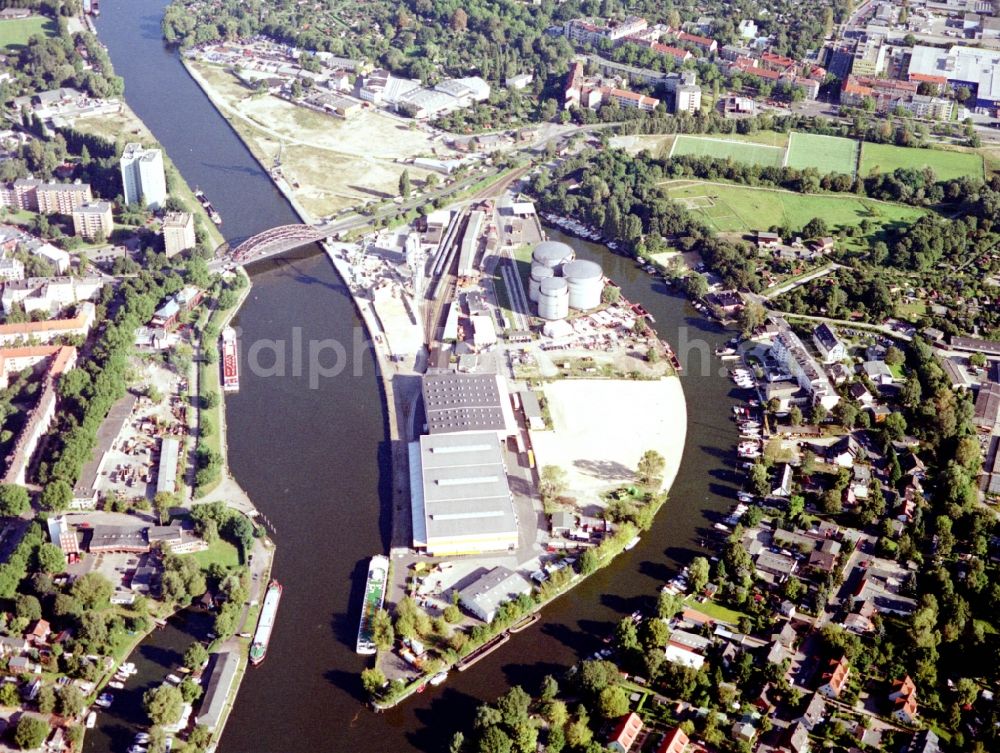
[{"x": 258, "y": 649}]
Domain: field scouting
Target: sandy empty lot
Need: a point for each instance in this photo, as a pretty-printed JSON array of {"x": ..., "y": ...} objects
[
  {"x": 336, "y": 163},
  {"x": 602, "y": 428}
]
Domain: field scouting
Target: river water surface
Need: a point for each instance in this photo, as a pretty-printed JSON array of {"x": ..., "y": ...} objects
[{"x": 314, "y": 460}]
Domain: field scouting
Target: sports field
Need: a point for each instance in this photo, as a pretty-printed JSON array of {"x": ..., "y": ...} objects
[
  {"x": 741, "y": 209},
  {"x": 947, "y": 165},
  {"x": 16, "y": 32},
  {"x": 828, "y": 154},
  {"x": 738, "y": 151}
]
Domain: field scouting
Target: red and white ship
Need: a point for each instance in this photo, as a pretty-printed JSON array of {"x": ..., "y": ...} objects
[{"x": 230, "y": 361}]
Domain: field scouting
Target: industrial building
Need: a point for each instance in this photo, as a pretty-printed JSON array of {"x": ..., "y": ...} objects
[
  {"x": 470, "y": 244},
  {"x": 483, "y": 596},
  {"x": 143, "y": 177},
  {"x": 461, "y": 502},
  {"x": 166, "y": 474},
  {"x": 456, "y": 403},
  {"x": 958, "y": 66}
]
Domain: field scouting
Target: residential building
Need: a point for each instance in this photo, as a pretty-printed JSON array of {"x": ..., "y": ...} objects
[
  {"x": 675, "y": 741},
  {"x": 31, "y": 195},
  {"x": 687, "y": 99},
  {"x": 830, "y": 347},
  {"x": 178, "y": 233},
  {"x": 48, "y": 294},
  {"x": 835, "y": 680},
  {"x": 624, "y": 733},
  {"x": 887, "y": 94},
  {"x": 869, "y": 57},
  {"x": 11, "y": 269},
  {"x": 483, "y": 596},
  {"x": 815, "y": 712},
  {"x": 789, "y": 350},
  {"x": 143, "y": 177},
  {"x": 904, "y": 699},
  {"x": 93, "y": 219},
  {"x": 592, "y": 31},
  {"x": 48, "y": 330},
  {"x": 797, "y": 739}
]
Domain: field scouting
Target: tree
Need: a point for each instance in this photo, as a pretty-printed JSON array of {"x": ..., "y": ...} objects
[
  {"x": 795, "y": 415},
  {"x": 92, "y": 590},
  {"x": 56, "y": 496},
  {"x": 698, "y": 572},
  {"x": 459, "y": 20},
  {"x": 70, "y": 700},
  {"x": 650, "y": 469},
  {"x": 494, "y": 739},
  {"x": 195, "y": 656},
  {"x": 613, "y": 702},
  {"x": 13, "y": 500},
  {"x": 552, "y": 482},
  {"x": 589, "y": 561},
  {"x": 894, "y": 356},
  {"x": 668, "y": 605},
  {"x": 404, "y": 184},
  {"x": 30, "y": 733},
  {"x": 9, "y": 696},
  {"x": 383, "y": 633},
  {"x": 51, "y": 559},
  {"x": 46, "y": 699},
  {"x": 751, "y": 316},
  {"x": 28, "y": 607},
  {"x": 163, "y": 704},
  {"x": 760, "y": 479},
  {"x": 372, "y": 680}
]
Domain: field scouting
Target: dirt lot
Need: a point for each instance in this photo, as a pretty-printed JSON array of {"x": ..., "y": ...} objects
[
  {"x": 602, "y": 427},
  {"x": 337, "y": 163}
]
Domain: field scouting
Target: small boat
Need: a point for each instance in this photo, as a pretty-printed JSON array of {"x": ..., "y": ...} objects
[
  {"x": 721, "y": 527},
  {"x": 116, "y": 685},
  {"x": 422, "y": 688},
  {"x": 632, "y": 544},
  {"x": 438, "y": 679},
  {"x": 173, "y": 679},
  {"x": 91, "y": 720}
]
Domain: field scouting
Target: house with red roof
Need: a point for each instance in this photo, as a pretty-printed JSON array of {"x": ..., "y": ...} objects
[
  {"x": 836, "y": 678},
  {"x": 904, "y": 698},
  {"x": 676, "y": 741},
  {"x": 625, "y": 732}
]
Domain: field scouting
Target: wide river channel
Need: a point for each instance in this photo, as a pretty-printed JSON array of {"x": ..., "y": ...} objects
[{"x": 313, "y": 458}]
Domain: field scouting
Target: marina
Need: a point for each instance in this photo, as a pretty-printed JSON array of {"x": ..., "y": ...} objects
[
  {"x": 375, "y": 583},
  {"x": 268, "y": 613}
]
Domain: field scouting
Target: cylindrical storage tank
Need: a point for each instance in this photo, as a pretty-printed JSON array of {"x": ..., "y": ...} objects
[
  {"x": 553, "y": 298},
  {"x": 586, "y": 283},
  {"x": 552, "y": 254},
  {"x": 539, "y": 272}
]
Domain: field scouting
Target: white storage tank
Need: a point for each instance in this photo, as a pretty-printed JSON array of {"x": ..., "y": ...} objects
[
  {"x": 553, "y": 298},
  {"x": 586, "y": 283},
  {"x": 552, "y": 254},
  {"x": 539, "y": 272}
]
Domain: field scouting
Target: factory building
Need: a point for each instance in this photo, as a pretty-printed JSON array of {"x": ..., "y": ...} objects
[{"x": 458, "y": 403}]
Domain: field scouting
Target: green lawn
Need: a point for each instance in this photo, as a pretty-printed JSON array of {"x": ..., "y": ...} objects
[
  {"x": 738, "y": 151},
  {"x": 14, "y": 34},
  {"x": 946, "y": 164},
  {"x": 742, "y": 209},
  {"x": 713, "y": 610},
  {"x": 828, "y": 154},
  {"x": 221, "y": 552}
]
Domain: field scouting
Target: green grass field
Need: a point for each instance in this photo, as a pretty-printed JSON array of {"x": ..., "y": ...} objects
[
  {"x": 947, "y": 165},
  {"x": 15, "y": 33},
  {"x": 738, "y": 151},
  {"x": 741, "y": 209},
  {"x": 828, "y": 154}
]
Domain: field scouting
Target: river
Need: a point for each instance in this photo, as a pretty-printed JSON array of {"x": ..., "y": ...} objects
[{"x": 313, "y": 458}]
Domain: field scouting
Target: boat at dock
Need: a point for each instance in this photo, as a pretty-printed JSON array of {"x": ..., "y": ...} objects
[
  {"x": 213, "y": 215},
  {"x": 265, "y": 623},
  {"x": 483, "y": 651},
  {"x": 230, "y": 361},
  {"x": 525, "y": 622},
  {"x": 378, "y": 574}
]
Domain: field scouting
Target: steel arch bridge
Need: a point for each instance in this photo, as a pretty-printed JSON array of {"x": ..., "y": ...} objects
[{"x": 275, "y": 241}]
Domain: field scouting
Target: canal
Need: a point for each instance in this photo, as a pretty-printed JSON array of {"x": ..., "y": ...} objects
[{"x": 313, "y": 457}]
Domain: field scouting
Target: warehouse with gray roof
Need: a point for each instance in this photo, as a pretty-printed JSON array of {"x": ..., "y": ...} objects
[
  {"x": 460, "y": 499},
  {"x": 467, "y": 402}
]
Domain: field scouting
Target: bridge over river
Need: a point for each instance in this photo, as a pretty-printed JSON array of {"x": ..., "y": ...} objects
[{"x": 281, "y": 239}]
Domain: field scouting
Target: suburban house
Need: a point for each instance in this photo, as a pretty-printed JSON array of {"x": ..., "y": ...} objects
[
  {"x": 836, "y": 678},
  {"x": 830, "y": 346},
  {"x": 904, "y": 698}
]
